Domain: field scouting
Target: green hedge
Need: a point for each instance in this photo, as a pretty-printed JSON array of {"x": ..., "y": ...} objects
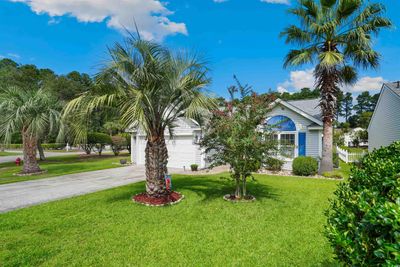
[
  {"x": 364, "y": 216},
  {"x": 45, "y": 146},
  {"x": 194, "y": 167},
  {"x": 305, "y": 166},
  {"x": 99, "y": 138},
  {"x": 274, "y": 164}
]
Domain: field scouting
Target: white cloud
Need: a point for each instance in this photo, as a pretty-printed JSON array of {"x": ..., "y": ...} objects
[
  {"x": 53, "y": 21},
  {"x": 13, "y": 55},
  {"x": 150, "y": 15},
  {"x": 366, "y": 83},
  {"x": 281, "y": 89},
  {"x": 285, "y": 2},
  {"x": 298, "y": 80},
  {"x": 305, "y": 78}
]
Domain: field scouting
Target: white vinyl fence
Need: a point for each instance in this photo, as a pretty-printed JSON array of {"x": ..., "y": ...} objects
[{"x": 347, "y": 156}]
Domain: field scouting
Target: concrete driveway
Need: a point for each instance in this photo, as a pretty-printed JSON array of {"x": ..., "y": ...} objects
[
  {"x": 28, "y": 193},
  {"x": 24, "y": 194}
]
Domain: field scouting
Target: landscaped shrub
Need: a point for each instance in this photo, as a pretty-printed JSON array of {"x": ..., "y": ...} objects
[
  {"x": 13, "y": 146},
  {"x": 118, "y": 143},
  {"x": 194, "y": 167},
  {"x": 96, "y": 140},
  {"x": 274, "y": 164},
  {"x": 364, "y": 216},
  {"x": 45, "y": 146},
  {"x": 54, "y": 146},
  {"x": 128, "y": 141},
  {"x": 305, "y": 166}
]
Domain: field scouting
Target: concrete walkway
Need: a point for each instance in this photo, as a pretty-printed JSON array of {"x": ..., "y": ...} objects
[
  {"x": 12, "y": 158},
  {"x": 23, "y": 194}
]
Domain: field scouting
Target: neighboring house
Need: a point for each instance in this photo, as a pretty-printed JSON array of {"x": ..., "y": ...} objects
[
  {"x": 384, "y": 127},
  {"x": 297, "y": 126},
  {"x": 351, "y": 135}
]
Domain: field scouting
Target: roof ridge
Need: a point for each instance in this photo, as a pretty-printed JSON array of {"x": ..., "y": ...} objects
[{"x": 308, "y": 99}]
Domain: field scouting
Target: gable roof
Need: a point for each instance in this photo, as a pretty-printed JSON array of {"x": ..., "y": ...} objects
[
  {"x": 307, "y": 108},
  {"x": 395, "y": 87},
  {"x": 183, "y": 126}
]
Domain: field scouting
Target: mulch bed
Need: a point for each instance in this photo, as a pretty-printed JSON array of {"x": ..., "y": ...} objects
[
  {"x": 232, "y": 198},
  {"x": 170, "y": 199}
]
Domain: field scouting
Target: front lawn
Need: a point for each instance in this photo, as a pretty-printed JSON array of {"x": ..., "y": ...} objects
[
  {"x": 284, "y": 227},
  {"x": 61, "y": 165},
  {"x": 3, "y": 154},
  {"x": 355, "y": 149}
]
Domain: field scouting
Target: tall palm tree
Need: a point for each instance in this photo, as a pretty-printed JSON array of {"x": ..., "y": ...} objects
[
  {"x": 337, "y": 36},
  {"x": 31, "y": 112},
  {"x": 151, "y": 87}
]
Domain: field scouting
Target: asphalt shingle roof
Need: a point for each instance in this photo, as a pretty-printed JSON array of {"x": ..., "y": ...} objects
[
  {"x": 309, "y": 106},
  {"x": 395, "y": 86}
]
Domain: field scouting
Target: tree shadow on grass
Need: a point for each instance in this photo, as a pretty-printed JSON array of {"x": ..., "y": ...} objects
[
  {"x": 203, "y": 186},
  {"x": 128, "y": 193},
  {"x": 210, "y": 189}
]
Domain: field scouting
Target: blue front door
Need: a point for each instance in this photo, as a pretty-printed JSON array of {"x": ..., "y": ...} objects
[{"x": 302, "y": 144}]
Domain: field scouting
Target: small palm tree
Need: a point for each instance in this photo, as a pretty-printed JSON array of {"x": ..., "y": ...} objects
[
  {"x": 151, "y": 87},
  {"x": 337, "y": 36},
  {"x": 31, "y": 112}
]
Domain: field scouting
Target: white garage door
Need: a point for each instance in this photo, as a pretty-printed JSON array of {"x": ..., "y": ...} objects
[{"x": 182, "y": 152}]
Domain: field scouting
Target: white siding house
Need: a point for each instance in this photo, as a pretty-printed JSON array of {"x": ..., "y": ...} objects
[
  {"x": 305, "y": 137},
  {"x": 297, "y": 125},
  {"x": 384, "y": 127},
  {"x": 183, "y": 149}
]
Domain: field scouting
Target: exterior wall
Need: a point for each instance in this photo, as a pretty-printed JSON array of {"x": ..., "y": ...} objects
[
  {"x": 313, "y": 144},
  {"x": 313, "y": 137},
  {"x": 384, "y": 128},
  {"x": 300, "y": 121},
  {"x": 181, "y": 150}
]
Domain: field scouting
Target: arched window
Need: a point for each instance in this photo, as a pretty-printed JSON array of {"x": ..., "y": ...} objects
[{"x": 281, "y": 123}]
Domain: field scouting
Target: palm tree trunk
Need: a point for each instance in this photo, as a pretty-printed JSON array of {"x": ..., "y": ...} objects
[
  {"x": 40, "y": 149},
  {"x": 327, "y": 146},
  {"x": 156, "y": 166},
  {"x": 327, "y": 79},
  {"x": 30, "y": 146}
]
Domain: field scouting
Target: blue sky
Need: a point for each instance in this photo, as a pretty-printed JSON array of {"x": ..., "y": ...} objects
[{"x": 236, "y": 37}]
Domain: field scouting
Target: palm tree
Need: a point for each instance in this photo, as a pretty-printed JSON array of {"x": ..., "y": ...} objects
[
  {"x": 31, "y": 112},
  {"x": 337, "y": 36},
  {"x": 151, "y": 87}
]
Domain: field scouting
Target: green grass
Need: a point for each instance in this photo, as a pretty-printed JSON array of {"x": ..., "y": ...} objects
[
  {"x": 284, "y": 227},
  {"x": 60, "y": 165},
  {"x": 343, "y": 171},
  {"x": 354, "y": 149},
  {"x": 2, "y": 154}
]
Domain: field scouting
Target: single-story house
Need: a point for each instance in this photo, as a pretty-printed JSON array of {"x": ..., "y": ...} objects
[
  {"x": 299, "y": 129},
  {"x": 384, "y": 127},
  {"x": 351, "y": 135},
  {"x": 297, "y": 126}
]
